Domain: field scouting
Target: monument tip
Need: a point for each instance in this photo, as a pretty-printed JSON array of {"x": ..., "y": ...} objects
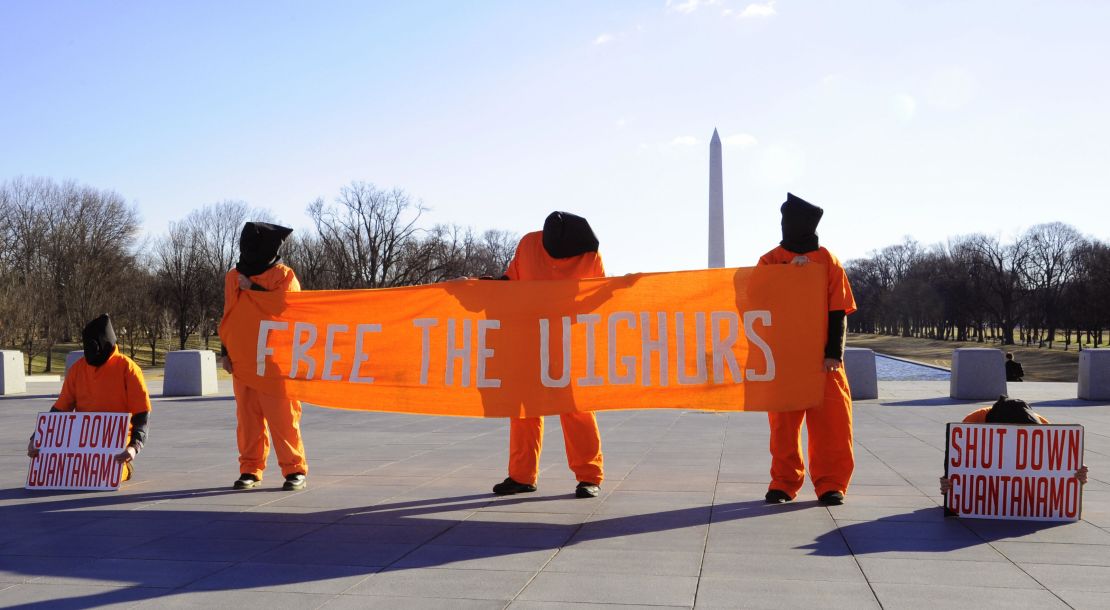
[{"x": 716, "y": 138}]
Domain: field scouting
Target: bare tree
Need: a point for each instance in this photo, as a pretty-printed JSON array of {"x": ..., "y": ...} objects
[
  {"x": 306, "y": 255},
  {"x": 1051, "y": 267},
  {"x": 66, "y": 247},
  {"x": 215, "y": 230},
  {"x": 179, "y": 275},
  {"x": 364, "y": 234},
  {"x": 1000, "y": 268}
]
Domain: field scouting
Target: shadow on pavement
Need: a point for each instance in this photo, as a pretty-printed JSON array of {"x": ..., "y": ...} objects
[
  {"x": 913, "y": 532},
  {"x": 75, "y": 535}
]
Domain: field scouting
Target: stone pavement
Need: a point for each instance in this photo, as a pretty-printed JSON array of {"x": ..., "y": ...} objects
[{"x": 398, "y": 514}]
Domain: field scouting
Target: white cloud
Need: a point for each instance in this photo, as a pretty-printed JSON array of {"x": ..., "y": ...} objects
[
  {"x": 689, "y": 6},
  {"x": 951, "y": 88},
  {"x": 754, "y": 9},
  {"x": 684, "y": 141},
  {"x": 604, "y": 38},
  {"x": 621, "y": 123},
  {"x": 740, "y": 140},
  {"x": 905, "y": 106}
]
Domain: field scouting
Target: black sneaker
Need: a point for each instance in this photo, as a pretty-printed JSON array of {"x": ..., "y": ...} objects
[
  {"x": 831, "y": 498},
  {"x": 295, "y": 482},
  {"x": 586, "y": 490},
  {"x": 776, "y": 496},
  {"x": 246, "y": 481},
  {"x": 509, "y": 487}
]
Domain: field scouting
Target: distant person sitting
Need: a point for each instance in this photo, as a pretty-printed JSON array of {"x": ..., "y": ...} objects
[
  {"x": 1014, "y": 372},
  {"x": 1007, "y": 410}
]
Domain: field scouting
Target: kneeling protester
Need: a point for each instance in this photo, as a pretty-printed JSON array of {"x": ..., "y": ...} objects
[{"x": 98, "y": 424}]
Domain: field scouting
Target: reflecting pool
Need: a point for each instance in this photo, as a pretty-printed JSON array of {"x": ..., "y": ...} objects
[{"x": 892, "y": 369}]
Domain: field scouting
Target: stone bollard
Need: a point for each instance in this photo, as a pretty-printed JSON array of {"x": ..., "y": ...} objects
[
  {"x": 863, "y": 381},
  {"x": 74, "y": 356},
  {"x": 190, "y": 372},
  {"x": 1094, "y": 374},
  {"x": 978, "y": 373},
  {"x": 12, "y": 380}
]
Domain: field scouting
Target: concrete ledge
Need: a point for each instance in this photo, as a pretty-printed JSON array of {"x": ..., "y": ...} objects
[
  {"x": 74, "y": 356},
  {"x": 44, "y": 378},
  {"x": 12, "y": 380},
  {"x": 1094, "y": 374},
  {"x": 978, "y": 373},
  {"x": 190, "y": 372},
  {"x": 863, "y": 380}
]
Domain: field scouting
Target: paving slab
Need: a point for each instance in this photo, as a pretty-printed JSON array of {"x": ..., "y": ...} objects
[
  {"x": 612, "y": 588},
  {"x": 399, "y": 514},
  {"x": 60, "y": 595},
  {"x": 730, "y": 592},
  {"x": 937, "y": 595},
  {"x": 445, "y": 583},
  {"x": 986, "y": 574},
  {"x": 363, "y": 602}
]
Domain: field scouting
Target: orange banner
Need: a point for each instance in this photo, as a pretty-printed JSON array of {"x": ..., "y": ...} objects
[{"x": 748, "y": 339}]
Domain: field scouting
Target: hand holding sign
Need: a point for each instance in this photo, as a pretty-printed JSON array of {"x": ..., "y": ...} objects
[{"x": 125, "y": 456}]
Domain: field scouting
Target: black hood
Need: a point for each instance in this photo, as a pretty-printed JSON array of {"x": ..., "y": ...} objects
[
  {"x": 799, "y": 225},
  {"x": 99, "y": 340},
  {"x": 258, "y": 247},
  {"x": 1011, "y": 411},
  {"x": 566, "y": 235}
]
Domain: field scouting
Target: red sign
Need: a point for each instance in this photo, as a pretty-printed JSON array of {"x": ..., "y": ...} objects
[
  {"x": 78, "y": 450},
  {"x": 1008, "y": 471}
]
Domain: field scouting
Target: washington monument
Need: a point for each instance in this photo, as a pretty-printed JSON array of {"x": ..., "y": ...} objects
[{"x": 716, "y": 206}]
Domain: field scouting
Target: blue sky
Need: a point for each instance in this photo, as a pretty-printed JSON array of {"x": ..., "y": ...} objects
[{"x": 927, "y": 119}]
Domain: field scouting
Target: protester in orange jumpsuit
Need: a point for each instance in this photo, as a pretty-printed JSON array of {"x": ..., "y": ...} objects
[
  {"x": 260, "y": 268},
  {"x": 106, "y": 381},
  {"x": 829, "y": 425},
  {"x": 1007, "y": 410},
  {"x": 565, "y": 249}
]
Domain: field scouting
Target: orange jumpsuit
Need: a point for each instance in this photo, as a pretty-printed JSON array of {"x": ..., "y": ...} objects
[
  {"x": 254, "y": 410},
  {"x": 117, "y": 386},
  {"x": 980, "y": 417},
  {"x": 580, "y": 433},
  {"x": 829, "y": 426}
]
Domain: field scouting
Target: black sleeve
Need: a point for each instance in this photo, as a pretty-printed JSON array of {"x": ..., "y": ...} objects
[
  {"x": 838, "y": 335},
  {"x": 139, "y": 423},
  {"x": 223, "y": 349}
]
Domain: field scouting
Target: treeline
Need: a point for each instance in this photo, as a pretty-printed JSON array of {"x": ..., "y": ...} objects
[
  {"x": 1050, "y": 281},
  {"x": 69, "y": 252}
]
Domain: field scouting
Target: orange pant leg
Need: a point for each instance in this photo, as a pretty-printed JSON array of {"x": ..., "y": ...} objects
[
  {"x": 250, "y": 430},
  {"x": 831, "y": 460},
  {"x": 525, "y": 443},
  {"x": 583, "y": 443},
  {"x": 283, "y": 417},
  {"x": 787, "y": 469}
]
